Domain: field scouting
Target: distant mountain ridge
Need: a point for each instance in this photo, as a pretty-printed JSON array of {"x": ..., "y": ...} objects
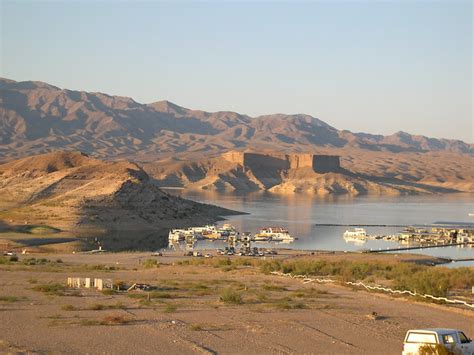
[{"x": 36, "y": 117}]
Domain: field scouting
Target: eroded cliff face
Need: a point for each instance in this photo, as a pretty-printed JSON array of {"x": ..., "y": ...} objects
[
  {"x": 319, "y": 174},
  {"x": 279, "y": 162}
]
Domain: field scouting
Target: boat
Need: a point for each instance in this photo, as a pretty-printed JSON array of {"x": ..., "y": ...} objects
[
  {"x": 355, "y": 240},
  {"x": 227, "y": 230},
  {"x": 356, "y": 233},
  {"x": 177, "y": 234},
  {"x": 274, "y": 234}
]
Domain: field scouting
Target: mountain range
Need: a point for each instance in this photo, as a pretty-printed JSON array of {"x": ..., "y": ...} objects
[
  {"x": 36, "y": 117},
  {"x": 183, "y": 147}
]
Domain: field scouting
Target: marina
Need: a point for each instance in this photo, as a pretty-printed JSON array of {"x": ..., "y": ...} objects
[{"x": 319, "y": 223}]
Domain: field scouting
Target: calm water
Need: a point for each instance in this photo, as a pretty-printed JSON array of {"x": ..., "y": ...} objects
[{"x": 301, "y": 214}]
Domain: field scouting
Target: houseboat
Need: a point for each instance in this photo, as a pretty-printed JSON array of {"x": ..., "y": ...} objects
[{"x": 274, "y": 234}]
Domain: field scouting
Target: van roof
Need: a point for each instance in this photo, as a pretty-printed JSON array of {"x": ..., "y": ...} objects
[{"x": 436, "y": 330}]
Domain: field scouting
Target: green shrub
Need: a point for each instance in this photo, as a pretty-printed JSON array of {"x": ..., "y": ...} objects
[
  {"x": 9, "y": 299},
  {"x": 170, "y": 308},
  {"x": 422, "y": 279},
  {"x": 274, "y": 288},
  {"x": 151, "y": 263},
  {"x": 56, "y": 289},
  {"x": 231, "y": 296},
  {"x": 68, "y": 307}
]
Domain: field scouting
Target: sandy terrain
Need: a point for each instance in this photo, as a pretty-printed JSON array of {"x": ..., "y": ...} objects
[{"x": 187, "y": 315}]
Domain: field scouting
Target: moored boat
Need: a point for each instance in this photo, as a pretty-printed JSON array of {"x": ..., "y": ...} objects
[
  {"x": 356, "y": 233},
  {"x": 274, "y": 234}
]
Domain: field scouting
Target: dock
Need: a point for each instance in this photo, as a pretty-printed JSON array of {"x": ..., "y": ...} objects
[{"x": 418, "y": 247}]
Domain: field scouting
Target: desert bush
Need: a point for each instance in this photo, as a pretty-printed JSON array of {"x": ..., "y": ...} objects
[
  {"x": 100, "y": 306},
  {"x": 9, "y": 299},
  {"x": 196, "y": 327},
  {"x": 56, "y": 289},
  {"x": 13, "y": 258},
  {"x": 287, "y": 303},
  {"x": 422, "y": 279},
  {"x": 119, "y": 285},
  {"x": 231, "y": 296},
  {"x": 34, "y": 261},
  {"x": 274, "y": 288},
  {"x": 170, "y": 308},
  {"x": 108, "y": 291},
  {"x": 68, "y": 307},
  {"x": 115, "y": 320},
  {"x": 151, "y": 263},
  {"x": 151, "y": 295}
]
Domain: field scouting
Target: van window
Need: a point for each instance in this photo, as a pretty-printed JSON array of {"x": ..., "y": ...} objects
[
  {"x": 448, "y": 338},
  {"x": 464, "y": 339},
  {"x": 427, "y": 338}
]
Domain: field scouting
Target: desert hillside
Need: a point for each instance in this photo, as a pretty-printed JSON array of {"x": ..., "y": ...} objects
[
  {"x": 72, "y": 192},
  {"x": 36, "y": 117},
  {"x": 351, "y": 173}
]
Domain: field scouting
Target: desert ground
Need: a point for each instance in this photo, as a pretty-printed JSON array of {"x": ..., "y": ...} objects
[{"x": 192, "y": 310}]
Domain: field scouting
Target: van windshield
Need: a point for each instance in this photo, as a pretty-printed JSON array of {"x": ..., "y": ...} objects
[{"x": 427, "y": 338}]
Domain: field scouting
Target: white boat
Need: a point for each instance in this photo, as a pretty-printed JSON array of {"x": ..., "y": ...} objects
[
  {"x": 177, "y": 234},
  {"x": 355, "y": 240},
  {"x": 274, "y": 234},
  {"x": 207, "y": 229},
  {"x": 227, "y": 230},
  {"x": 356, "y": 233}
]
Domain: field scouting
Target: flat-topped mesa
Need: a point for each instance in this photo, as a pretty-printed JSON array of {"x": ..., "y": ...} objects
[
  {"x": 326, "y": 163},
  {"x": 319, "y": 163}
]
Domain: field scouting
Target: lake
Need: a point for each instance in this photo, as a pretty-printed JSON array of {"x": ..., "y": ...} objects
[{"x": 301, "y": 214}]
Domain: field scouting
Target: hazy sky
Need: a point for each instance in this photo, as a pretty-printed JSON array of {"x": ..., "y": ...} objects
[{"x": 372, "y": 66}]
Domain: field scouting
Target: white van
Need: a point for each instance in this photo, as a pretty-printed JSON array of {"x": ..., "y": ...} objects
[{"x": 452, "y": 339}]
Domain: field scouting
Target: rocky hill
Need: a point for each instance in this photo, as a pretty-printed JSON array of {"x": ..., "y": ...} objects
[
  {"x": 73, "y": 192},
  {"x": 36, "y": 117},
  {"x": 319, "y": 174}
]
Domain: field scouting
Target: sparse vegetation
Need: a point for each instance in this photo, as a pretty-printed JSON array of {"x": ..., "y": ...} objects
[
  {"x": 274, "y": 288},
  {"x": 108, "y": 291},
  {"x": 68, "y": 307},
  {"x": 424, "y": 279},
  {"x": 151, "y": 263},
  {"x": 196, "y": 327},
  {"x": 170, "y": 308},
  {"x": 231, "y": 296},
  {"x": 151, "y": 295},
  {"x": 287, "y": 304},
  {"x": 9, "y": 299},
  {"x": 55, "y": 289},
  {"x": 115, "y": 320},
  {"x": 100, "y": 306}
]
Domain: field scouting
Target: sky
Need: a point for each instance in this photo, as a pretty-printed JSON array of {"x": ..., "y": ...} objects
[{"x": 366, "y": 66}]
